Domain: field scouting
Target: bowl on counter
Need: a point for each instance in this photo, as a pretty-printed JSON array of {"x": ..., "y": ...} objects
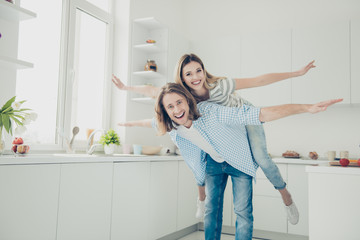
[{"x": 151, "y": 150}]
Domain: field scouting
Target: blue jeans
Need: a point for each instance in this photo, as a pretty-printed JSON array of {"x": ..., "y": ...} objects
[
  {"x": 215, "y": 181},
  {"x": 257, "y": 141}
]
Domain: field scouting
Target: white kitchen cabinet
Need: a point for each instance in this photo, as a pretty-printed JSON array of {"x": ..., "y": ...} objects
[
  {"x": 329, "y": 45},
  {"x": 85, "y": 201},
  {"x": 298, "y": 187},
  {"x": 187, "y": 196},
  {"x": 130, "y": 204},
  {"x": 29, "y": 201},
  {"x": 163, "y": 198},
  {"x": 269, "y": 212},
  {"x": 262, "y": 53},
  {"x": 334, "y": 202},
  {"x": 355, "y": 60},
  {"x": 148, "y": 29}
]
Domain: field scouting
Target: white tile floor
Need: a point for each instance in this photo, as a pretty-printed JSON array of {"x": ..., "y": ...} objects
[{"x": 200, "y": 236}]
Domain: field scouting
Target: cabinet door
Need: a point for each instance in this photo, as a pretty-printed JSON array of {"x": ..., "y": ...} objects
[
  {"x": 130, "y": 207},
  {"x": 269, "y": 212},
  {"x": 263, "y": 53},
  {"x": 298, "y": 188},
  {"x": 163, "y": 198},
  {"x": 355, "y": 60},
  {"x": 28, "y": 201},
  {"x": 229, "y": 216},
  {"x": 85, "y": 201},
  {"x": 187, "y": 195},
  {"x": 329, "y": 46}
]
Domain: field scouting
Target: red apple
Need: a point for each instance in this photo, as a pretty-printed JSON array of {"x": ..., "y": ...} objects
[
  {"x": 18, "y": 140},
  {"x": 344, "y": 162},
  {"x": 358, "y": 161},
  {"x": 14, "y": 147}
]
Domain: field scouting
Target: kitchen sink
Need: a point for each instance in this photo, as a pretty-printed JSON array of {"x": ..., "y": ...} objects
[{"x": 73, "y": 155}]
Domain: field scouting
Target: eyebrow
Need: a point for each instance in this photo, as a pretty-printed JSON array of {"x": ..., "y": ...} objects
[
  {"x": 199, "y": 68},
  {"x": 180, "y": 99}
]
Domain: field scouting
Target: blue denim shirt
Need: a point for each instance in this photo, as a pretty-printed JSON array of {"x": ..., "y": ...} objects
[{"x": 224, "y": 128}]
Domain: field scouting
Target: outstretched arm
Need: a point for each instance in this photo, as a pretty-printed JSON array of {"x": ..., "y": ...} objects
[
  {"x": 276, "y": 112},
  {"x": 139, "y": 123},
  {"x": 262, "y": 80},
  {"x": 149, "y": 91}
]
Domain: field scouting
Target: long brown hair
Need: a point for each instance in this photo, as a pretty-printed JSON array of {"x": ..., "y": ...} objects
[
  {"x": 164, "y": 122},
  {"x": 209, "y": 78}
]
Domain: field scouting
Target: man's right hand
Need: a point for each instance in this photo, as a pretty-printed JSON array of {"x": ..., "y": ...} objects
[{"x": 118, "y": 83}]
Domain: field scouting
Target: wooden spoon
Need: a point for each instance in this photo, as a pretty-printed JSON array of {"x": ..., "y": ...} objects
[{"x": 75, "y": 132}]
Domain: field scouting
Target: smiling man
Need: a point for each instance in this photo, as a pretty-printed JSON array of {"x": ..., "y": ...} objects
[{"x": 213, "y": 142}]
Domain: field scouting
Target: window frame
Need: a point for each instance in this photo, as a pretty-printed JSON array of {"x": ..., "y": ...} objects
[{"x": 67, "y": 65}]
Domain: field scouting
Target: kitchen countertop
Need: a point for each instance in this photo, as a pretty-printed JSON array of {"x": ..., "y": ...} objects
[
  {"x": 81, "y": 158},
  {"x": 333, "y": 170},
  {"x": 303, "y": 161},
  {"x": 84, "y": 158}
]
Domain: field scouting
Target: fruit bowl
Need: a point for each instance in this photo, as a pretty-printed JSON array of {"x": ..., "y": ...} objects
[{"x": 20, "y": 149}]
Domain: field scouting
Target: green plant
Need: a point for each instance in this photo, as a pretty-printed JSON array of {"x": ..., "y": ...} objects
[
  {"x": 12, "y": 113},
  {"x": 110, "y": 137}
]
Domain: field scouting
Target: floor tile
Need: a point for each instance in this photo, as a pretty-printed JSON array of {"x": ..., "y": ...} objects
[{"x": 200, "y": 236}]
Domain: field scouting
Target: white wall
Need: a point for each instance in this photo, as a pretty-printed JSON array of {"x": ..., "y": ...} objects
[
  {"x": 169, "y": 13},
  {"x": 213, "y": 29},
  {"x": 215, "y": 34}
]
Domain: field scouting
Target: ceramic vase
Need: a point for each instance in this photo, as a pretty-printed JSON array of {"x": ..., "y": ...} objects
[
  {"x": 2, "y": 141},
  {"x": 109, "y": 149}
]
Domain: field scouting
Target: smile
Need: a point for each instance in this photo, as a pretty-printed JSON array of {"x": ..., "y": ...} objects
[
  {"x": 196, "y": 82},
  {"x": 180, "y": 116}
]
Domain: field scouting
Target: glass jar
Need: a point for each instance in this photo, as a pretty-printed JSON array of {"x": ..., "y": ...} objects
[{"x": 150, "y": 66}]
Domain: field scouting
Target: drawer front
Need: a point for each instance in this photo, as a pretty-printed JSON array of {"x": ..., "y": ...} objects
[{"x": 263, "y": 187}]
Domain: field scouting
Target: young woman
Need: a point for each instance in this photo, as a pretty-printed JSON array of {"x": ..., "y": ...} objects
[
  {"x": 191, "y": 73},
  {"x": 213, "y": 142}
]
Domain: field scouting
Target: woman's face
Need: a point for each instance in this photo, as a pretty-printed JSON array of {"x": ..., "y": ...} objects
[
  {"x": 177, "y": 108},
  {"x": 193, "y": 75}
]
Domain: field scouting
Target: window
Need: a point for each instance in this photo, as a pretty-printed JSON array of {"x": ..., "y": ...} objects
[
  {"x": 89, "y": 73},
  {"x": 69, "y": 85},
  {"x": 39, "y": 42}
]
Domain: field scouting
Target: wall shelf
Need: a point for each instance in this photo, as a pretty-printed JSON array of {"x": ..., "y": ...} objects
[
  {"x": 148, "y": 74},
  {"x": 146, "y": 100},
  {"x": 13, "y": 12},
  {"x": 14, "y": 63},
  {"x": 144, "y": 29},
  {"x": 149, "y": 23},
  {"x": 149, "y": 47}
]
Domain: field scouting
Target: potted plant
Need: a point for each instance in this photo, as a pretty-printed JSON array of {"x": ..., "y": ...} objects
[
  {"x": 12, "y": 114},
  {"x": 109, "y": 140}
]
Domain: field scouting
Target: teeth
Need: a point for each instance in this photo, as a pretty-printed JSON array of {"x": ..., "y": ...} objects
[
  {"x": 196, "y": 83},
  {"x": 180, "y": 115}
]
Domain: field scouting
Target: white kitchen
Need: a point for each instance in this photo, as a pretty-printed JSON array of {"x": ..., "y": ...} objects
[{"x": 58, "y": 58}]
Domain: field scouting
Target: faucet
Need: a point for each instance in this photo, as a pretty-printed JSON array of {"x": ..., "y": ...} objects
[{"x": 90, "y": 148}]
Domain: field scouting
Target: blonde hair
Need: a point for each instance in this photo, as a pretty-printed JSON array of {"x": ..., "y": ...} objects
[
  {"x": 186, "y": 59},
  {"x": 164, "y": 122}
]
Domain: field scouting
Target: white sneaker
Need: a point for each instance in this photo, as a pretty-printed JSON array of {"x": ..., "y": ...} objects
[
  {"x": 200, "y": 211},
  {"x": 292, "y": 213}
]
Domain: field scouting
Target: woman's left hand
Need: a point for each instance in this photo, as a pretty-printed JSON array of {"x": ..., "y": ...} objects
[{"x": 305, "y": 69}]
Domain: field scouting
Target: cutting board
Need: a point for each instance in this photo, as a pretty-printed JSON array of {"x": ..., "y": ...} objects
[{"x": 337, "y": 163}]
